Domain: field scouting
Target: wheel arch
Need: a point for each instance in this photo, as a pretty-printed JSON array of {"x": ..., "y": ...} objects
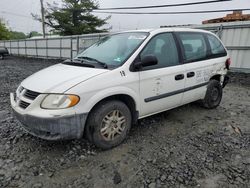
[
  {"x": 216, "y": 77},
  {"x": 126, "y": 99}
]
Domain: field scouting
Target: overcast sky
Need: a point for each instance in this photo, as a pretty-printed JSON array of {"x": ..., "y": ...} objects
[{"x": 17, "y": 13}]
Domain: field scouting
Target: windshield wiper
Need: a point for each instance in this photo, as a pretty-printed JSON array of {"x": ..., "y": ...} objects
[{"x": 93, "y": 59}]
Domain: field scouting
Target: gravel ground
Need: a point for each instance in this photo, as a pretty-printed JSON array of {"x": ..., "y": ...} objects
[{"x": 185, "y": 147}]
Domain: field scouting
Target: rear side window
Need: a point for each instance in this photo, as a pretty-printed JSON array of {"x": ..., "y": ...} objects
[
  {"x": 194, "y": 46},
  {"x": 216, "y": 46}
]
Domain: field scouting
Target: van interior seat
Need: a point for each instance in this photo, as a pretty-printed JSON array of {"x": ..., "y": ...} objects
[
  {"x": 188, "y": 47},
  {"x": 169, "y": 54},
  {"x": 189, "y": 51}
]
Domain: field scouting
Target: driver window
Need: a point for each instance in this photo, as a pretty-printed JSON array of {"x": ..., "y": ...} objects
[{"x": 164, "y": 48}]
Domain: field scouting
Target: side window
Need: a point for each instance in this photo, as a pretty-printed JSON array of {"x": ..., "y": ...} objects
[
  {"x": 164, "y": 48},
  {"x": 216, "y": 46},
  {"x": 194, "y": 46}
]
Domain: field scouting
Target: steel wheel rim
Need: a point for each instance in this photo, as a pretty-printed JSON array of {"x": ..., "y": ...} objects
[
  {"x": 113, "y": 125},
  {"x": 215, "y": 94}
]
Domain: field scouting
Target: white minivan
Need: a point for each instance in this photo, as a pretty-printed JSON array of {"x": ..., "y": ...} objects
[{"x": 122, "y": 78}]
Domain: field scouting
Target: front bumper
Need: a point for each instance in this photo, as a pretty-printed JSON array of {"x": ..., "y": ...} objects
[{"x": 52, "y": 128}]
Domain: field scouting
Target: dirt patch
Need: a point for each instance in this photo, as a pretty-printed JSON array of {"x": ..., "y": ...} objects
[{"x": 184, "y": 147}]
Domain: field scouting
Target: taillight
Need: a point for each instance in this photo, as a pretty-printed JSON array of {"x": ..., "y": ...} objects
[{"x": 228, "y": 63}]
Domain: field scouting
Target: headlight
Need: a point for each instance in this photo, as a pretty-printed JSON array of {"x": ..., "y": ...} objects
[{"x": 59, "y": 101}]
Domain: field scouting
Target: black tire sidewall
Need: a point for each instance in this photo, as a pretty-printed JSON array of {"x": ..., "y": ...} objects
[
  {"x": 208, "y": 101},
  {"x": 96, "y": 117}
]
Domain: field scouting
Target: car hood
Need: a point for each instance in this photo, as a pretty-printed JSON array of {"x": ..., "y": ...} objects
[{"x": 59, "y": 78}]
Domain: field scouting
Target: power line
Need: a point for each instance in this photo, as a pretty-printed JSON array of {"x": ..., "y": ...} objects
[
  {"x": 184, "y": 12},
  {"x": 14, "y": 14},
  {"x": 168, "y": 5}
]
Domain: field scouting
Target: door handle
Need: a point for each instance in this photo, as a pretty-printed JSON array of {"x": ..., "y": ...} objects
[
  {"x": 179, "y": 77},
  {"x": 190, "y": 74}
]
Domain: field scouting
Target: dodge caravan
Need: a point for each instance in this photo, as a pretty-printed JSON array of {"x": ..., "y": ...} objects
[{"x": 122, "y": 78}]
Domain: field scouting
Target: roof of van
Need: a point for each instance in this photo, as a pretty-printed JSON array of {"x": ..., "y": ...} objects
[{"x": 169, "y": 29}]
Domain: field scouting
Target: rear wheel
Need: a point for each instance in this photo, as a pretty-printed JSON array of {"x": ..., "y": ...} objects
[
  {"x": 213, "y": 95},
  {"x": 108, "y": 124}
]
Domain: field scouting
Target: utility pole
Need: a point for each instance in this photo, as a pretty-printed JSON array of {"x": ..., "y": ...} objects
[{"x": 42, "y": 13}]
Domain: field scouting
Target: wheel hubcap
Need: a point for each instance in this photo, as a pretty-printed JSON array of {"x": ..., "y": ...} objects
[
  {"x": 215, "y": 94},
  {"x": 113, "y": 125}
]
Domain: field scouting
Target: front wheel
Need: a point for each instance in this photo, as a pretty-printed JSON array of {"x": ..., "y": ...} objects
[
  {"x": 213, "y": 95},
  {"x": 109, "y": 124}
]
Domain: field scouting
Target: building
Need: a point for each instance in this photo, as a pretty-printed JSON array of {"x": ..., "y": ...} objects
[{"x": 235, "y": 16}]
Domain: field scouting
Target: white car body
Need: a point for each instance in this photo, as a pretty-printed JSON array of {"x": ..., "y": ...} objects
[{"x": 152, "y": 91}]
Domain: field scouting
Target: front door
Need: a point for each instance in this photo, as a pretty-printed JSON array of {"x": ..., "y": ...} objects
[{"x": 161, "y": 85}]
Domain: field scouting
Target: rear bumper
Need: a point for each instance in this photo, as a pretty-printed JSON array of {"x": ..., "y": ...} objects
[{"x": 52, "y": 128}]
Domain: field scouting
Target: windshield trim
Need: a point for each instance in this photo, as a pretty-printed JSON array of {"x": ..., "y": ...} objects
[{"x": 132, "y": 52}]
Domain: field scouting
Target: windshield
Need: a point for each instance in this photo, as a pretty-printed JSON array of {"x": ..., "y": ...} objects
[{"x": 115, "y": 49}]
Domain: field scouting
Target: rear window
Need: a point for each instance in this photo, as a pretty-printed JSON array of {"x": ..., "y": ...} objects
[
  {"x": 194, "y": 46},
  {"x": 216, "y": 47}
]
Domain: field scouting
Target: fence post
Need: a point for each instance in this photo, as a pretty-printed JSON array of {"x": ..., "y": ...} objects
[
  {"x": 219, "y": 31},
  {"x": 10, "y": 48},
  {"x": 47, "y": 51},
  {"x": 60, "y": 48},
  {"x": 71, "y": 48},
  {"x": 18, "y": 53},
  {"x": 25, "y": 47},
  {"x": 36, "y": 48},
  {"x": 77, "y": 45}
]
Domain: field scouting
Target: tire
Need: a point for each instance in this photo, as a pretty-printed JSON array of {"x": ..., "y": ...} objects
[
  {"x": 213, "y": 95},
  {"x": 108, "y": 124},
  {"x": 1, "y": 57}
]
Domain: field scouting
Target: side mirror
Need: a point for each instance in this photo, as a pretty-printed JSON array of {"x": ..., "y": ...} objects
[{"x": 146, "y": 61}]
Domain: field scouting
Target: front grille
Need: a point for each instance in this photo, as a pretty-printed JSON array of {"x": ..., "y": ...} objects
[
  {"x": 22, "y": 94},
  {"x": 23, "y": 104},
  {"x": 31, "y": 94}
]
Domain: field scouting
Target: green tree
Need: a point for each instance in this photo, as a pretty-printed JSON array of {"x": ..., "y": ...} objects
[
  {"x": 74, "y": 17},
  {"x": 4, "y": 31},
  {"x": 34, "y": 34},
  {"x": 17, "y": 35}
]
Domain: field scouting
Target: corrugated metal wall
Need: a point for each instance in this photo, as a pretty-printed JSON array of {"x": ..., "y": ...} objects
[{"x": 235, "y": 36}]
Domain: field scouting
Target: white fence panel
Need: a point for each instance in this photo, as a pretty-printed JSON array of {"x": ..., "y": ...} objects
[
  {"x": 66, "y": 43},
  {"x": 31, "y": 52},
  {"x": 21, "y": 44},
  {"x": 54, "y": 43},
  {"x": 65, "y": 54},
  {"x": 42, "y": 53},
  {"x": 41, "y": 43},
  {"x": 30, "y": 44},
  {"x": 22, "y": 51},
  {"x": 54, "y": 53}
]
